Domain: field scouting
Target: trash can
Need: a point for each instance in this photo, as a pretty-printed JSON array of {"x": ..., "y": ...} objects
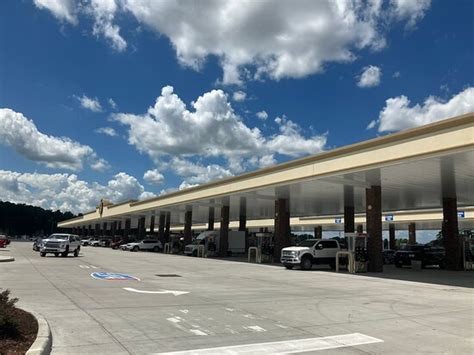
[{"x": 416, "y": 265}]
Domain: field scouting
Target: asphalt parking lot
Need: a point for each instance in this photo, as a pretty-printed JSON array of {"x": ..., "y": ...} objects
[{"x": 182, "y": 303}]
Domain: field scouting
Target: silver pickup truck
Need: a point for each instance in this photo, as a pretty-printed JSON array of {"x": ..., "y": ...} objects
[{"x": 61, "y": 244}]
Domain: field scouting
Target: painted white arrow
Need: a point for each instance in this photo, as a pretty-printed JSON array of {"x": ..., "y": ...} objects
[{"x": 176, "y": 293}]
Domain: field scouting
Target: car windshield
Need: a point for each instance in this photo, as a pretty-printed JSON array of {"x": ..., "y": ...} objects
[
  {"x": 307, "y": 243},
  {"x": 57, "y": 236},
  {"x": 197, "y": 241}
]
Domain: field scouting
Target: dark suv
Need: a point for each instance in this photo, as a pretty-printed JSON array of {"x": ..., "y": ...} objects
[{"x": 428, "y": 255}]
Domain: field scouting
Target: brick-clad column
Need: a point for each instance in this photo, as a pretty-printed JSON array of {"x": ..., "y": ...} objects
[
  {"x": 243, "y": 220},
  {"x": 167, "y": 226},
  {"x": 360, "y": 228},
  {"x": 161, "y": 227},
  {"x": 188, "y": 225},
  {"x": 210, "y": 221},
  {"x": 89, "y": 230},
  {"x": 141, "y": 228},
  {"x": 97, "y": 230},
  {"x": 152, "y": 225},
  {"x": 412, "y": 233},
  {"x": 104, "y": 229},
  {"x": 391, "y": 236},
  {"x": 349, "y": 225},
  {"x": 113, "y": 229},
  {"x": 282, "y": 227},
  {"x": 224, "y": 231},
  {"x": 126, "y": 229},
  {"x": 451, "y": 241},
  {"x": 318, "y": 232},
  {"x": 373, "y": 198}
]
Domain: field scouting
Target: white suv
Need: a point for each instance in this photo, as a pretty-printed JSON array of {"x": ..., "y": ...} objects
[
  {"x": 146, "y": 244},
  {"x": 309, "y": 252},
  {"x": 61, "y": 244}
]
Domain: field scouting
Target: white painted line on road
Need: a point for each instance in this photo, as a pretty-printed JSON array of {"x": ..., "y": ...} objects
[
  {"x": 83, "y": 266},
  {"x": 94, "y": 267},
  {"x": 255, "y": 328},
  {"x": 175, "y": 293},
  {"x": 290, "y": 346},
  {"x": 197, "y": 332}
]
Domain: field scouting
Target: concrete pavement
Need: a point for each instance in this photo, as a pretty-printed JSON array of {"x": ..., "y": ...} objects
[{"x": 233, "y": 304}]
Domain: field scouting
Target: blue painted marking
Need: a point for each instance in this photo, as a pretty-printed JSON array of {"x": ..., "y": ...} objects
[
  {"x": 461, "y": 214},
  {"x": 110, "y": 276},
  {"x": 389, "y": 217}
]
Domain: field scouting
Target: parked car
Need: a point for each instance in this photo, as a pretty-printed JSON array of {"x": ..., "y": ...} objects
[
  {"x": 86, "y": 242},
  {"x": 37, "y": 244},
  {"x": 105, "y": 242},
  {"x": 428, "y": 255},
  {"x": 4, "y": 241},
  {"x": 309, "y": 252},
  {"x": 94, "y": 242},
  {"x": 388, "y": 255},
  {"x": 117, "y": 244},
  {"x": 146, "y": 244},
  {"x": 61, "y": 244}
]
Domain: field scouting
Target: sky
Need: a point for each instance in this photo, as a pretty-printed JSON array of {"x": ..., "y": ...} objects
[{"x": 128, "y": 99}]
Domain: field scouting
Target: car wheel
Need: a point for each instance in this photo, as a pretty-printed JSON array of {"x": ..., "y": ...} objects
[
  {"x": 65, "y": 252},
  {"x": 332, "y": 265},
  {"x": 135, "y": 248},
  {"x": 442, "y": 264},
  {"x": 76, "y": 252},
  {"x": 56, "y": 254},
  {"x": 195, "y": 253},
  {"x": 289, "y": 267},
  {"x": 156, "y": 249},
  {"x": 306, "y": 264},
  {"x": 42, "y": 254}
]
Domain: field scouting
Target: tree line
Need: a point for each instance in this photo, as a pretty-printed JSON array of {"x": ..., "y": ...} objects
[{"x": 22, "y": 219}]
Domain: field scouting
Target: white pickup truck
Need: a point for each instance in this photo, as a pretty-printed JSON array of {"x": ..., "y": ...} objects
[
  {"x": 309, "y": 252},
  {"x": 61, "y": 244}
]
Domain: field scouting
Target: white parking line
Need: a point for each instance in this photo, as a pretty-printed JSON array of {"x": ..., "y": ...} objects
[
  {"x": 83, "y": 266},
  {"x": 290, "y": 346}
]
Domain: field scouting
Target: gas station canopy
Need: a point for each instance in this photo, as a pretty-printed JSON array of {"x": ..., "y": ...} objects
[{"x": 415, "y": 168}]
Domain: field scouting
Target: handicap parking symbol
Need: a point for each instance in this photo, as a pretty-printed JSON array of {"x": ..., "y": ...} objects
[{"x": 110, "y": 276}]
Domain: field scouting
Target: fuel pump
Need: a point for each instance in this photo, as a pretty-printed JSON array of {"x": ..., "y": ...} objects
[
  {"x": 357, "y": 252},
  {"x": 262, "y": 247}
]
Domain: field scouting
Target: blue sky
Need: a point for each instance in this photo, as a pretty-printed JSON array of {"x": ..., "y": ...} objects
[{"x": 321, "y": 74}]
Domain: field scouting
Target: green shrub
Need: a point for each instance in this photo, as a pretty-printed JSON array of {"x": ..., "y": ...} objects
[{"x": 8, "y": 323}]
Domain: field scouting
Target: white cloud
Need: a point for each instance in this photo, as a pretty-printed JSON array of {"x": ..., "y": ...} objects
[
  {"x": 100, "y": 165},
  {"x": 66, "y": 192},
  {"x": 399, "y": 114},
  {"x": 370, "y": 77},
  {"x": 263, "y": 115},
  {"x": 103, "y": 12},
  {"x": 63, "y": 10},
  {"x": 22, "y": 135},
  {"x": 112, "y": 103},
  {"x": 153, "y": 177},
  {"x": 211, "y": 130},
  {"x": 108, "y": 131},
  {"x": 88, "y": 103},
  {"x": 411, "y": 11},
  {"x": 196, "y": 174},
  {"x": 255, "y": 39},
  {"x": 239, "y": 96},
  {"x": 278, "y": 39},
  {"x": 291, "y": 142},
  {"x": 396, "y": 74}
]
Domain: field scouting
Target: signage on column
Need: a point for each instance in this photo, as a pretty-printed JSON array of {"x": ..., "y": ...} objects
[
  {"x": 461, "y": 214},
  {"x": 338, "y": 220},
  {"x": 389, "y": 218}
]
